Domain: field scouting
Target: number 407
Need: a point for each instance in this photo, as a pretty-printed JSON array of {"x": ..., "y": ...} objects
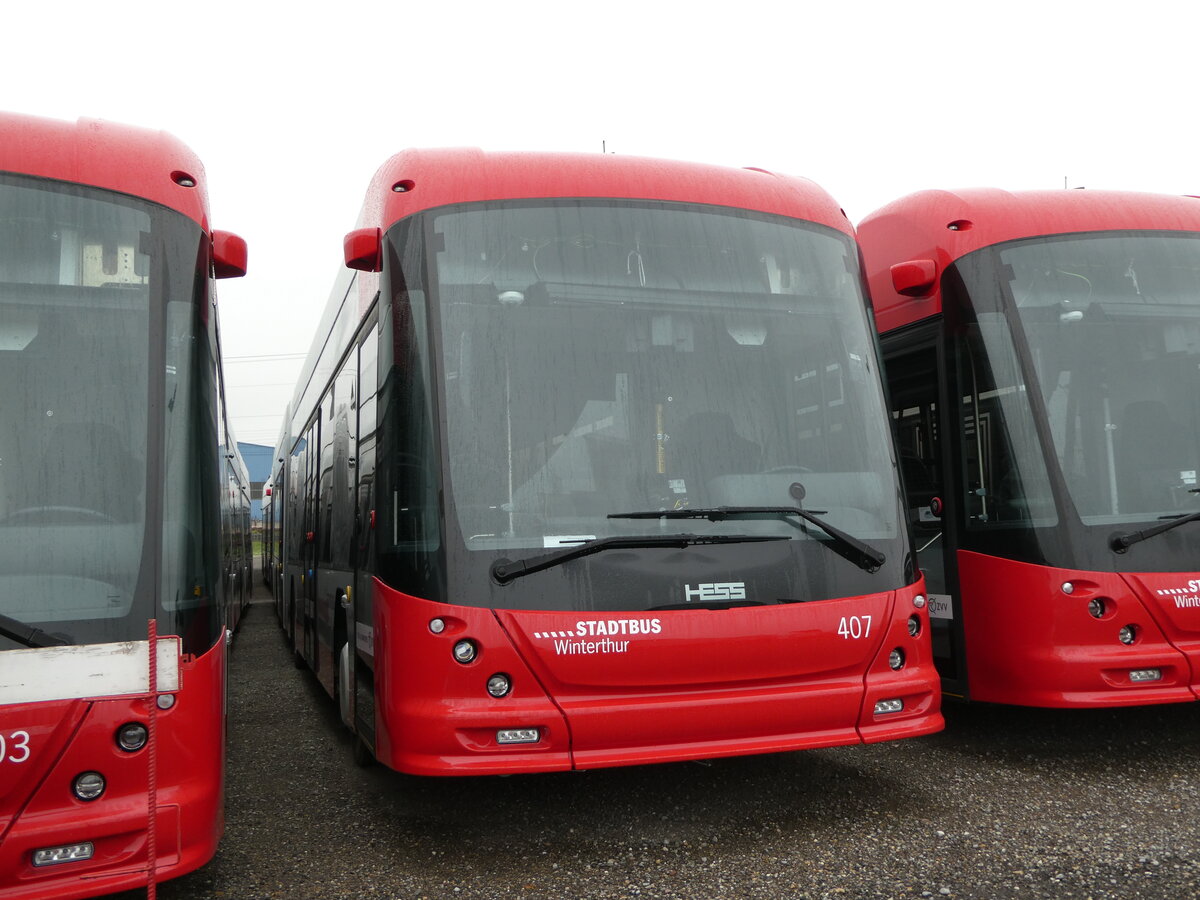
[{"x": 854, "y": 627}]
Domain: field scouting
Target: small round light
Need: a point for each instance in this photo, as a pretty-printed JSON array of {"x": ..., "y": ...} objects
[
  {"x": 896, "y": 659},
  {"x": 914, "y": 626},
  {"x": 437, "y": 626},
  {"x": 132, "y": 736},
  {"x": 464, "y": 652},
  {"x": 1128, "y": 634},
  {"x": 88, "y": 786},
  {"x": 1068, "y": 588},
  {"x": 1096, "y": 608},
  {"x": 166, "y": 701},
  {"x": 919, "y": 601},
  {"x": 499, "y": 685}
]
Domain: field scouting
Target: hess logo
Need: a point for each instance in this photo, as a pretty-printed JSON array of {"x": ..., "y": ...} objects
[{"x": 716, "y": 590}]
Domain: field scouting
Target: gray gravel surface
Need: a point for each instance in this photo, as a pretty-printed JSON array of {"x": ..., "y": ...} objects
[{"x": 1005, "y": 803}]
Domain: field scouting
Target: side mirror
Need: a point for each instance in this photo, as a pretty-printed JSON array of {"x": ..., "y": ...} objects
[
  {"x": 362, "y": 250},
  {"x": 229, "y": 254},
  {"x": 914, "y": 278}
]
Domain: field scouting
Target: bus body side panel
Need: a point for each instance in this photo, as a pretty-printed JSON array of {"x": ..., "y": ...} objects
[
  {"x": 1174, "y": 601},
  {"x": 608, "y": 689},
  {"x": 190, "y": 798},
  {"x": 434, "y": 715},
  {"x": 1031, "y": 643}
]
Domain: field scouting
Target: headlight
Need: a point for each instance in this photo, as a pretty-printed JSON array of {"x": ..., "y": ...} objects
[
  {"x": 464, "y": 652},
  {"x": 88, "y": 786},
  {"x": 499, "y": 685},
  {"x": 132, "y": 736},
  {"x": 896, "y": 659}
]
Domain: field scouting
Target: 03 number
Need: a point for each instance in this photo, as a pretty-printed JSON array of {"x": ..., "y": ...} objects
[
  {"x": 854, "y": 627},
  {"x": 14, "y": 747}
]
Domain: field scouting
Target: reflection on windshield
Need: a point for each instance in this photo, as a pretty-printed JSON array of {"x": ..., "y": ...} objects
[
  {"x": 605, "y": 357},
  {"x": 81, "y": 273},
  {"x": 1113, "y": 325}
]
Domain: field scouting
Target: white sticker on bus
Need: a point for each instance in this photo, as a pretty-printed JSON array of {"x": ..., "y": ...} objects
[{"x": 941, "y": 606}]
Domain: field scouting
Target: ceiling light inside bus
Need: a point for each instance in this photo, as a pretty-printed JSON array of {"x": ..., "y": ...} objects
[
  {"x": 132, "y": 736},
  {"x": 896, "y": 659},
  {"x": 52, "y": 856},
  {"x": 1096, "y": 608},
  {"x": 88, "y": 786},
  {"x": 1128, "y": 634},
  {"x": 464, "y": 652},
  {"x": 499, "y": 685}
]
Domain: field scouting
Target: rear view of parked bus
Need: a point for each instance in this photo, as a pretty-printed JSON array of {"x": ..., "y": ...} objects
[
  {"x": 110, "y": 767},
  {"x": 589, "y": 466},
  {"x": 1043, "y": 359}
]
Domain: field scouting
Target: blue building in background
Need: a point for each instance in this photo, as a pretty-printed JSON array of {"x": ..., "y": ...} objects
[{"x": 258, "y": 464}]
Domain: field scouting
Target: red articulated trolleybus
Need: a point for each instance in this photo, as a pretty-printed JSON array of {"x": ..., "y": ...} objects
[
  {"x": 111, "y": 767},
  {"x": 589, "y": 466},
  {"x": 1043, "y": 359}
]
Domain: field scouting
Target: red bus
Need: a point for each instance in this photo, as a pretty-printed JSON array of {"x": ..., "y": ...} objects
[
  {"x": 589, "y": 466},
  {"x": 110, "y": 510},
  {"x": 1043, "y": 361}
]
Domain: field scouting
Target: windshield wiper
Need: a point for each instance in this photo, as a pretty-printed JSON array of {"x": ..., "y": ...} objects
[
  {"x": 28, "y": 635},
  {"x": 1122, "y": 542},
  {"x": 845, "y": 545},
  {"x": 506, "y": 570}
]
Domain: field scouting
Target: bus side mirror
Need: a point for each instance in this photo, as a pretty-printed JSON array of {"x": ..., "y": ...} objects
[
  {"x": 914, "y": 278},
  {"x": 362, "y": 249},
  {"x": 229, "y": 254}
]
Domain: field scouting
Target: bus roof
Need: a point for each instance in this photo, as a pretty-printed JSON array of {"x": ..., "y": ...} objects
[
  {"x": 944, "y": 226},
  {"x": 432, "y": 178},
  {"x": 136, "y": 161}
]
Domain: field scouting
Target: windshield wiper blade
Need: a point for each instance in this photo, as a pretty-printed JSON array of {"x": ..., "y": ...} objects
[
  {"x": 1122, "y": 542},
  {"x": 506, "y": 570},
  {"x": 28, "y": 635},
  {"x": 846, "y": 545}
]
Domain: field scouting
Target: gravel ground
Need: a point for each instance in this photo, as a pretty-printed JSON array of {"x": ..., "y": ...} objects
[{"x": 1005, "y": 803}]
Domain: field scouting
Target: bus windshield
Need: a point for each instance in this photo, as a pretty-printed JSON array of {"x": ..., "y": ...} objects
[
  {"x": 97, "y": 302},
  {"x": 1112, "y": 324},
  {"x": 604, "y": 357}
]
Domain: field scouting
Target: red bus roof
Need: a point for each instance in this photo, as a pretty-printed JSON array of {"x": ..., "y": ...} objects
[
  {"x": 944, "y": 226},
  {"x": 433, "y": 178},
  {"x": 137, "y": 161}
]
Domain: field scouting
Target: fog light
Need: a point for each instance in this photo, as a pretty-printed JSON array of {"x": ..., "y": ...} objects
[
  {"x": 888, "y": 706},
  {"x": 1128, "y": 634},
  {"x": 437, "y": 626},
  {"x": 499, "y": 685},
  {"x": 1096, "y": 608},
  {"x": 166, "y": 701},
  {"x": 914, "y": 626},
  {"x": 518, "y": 736},
  {"x": 1145, "y": 675},
  {"x": 896, "y": 659},
  {"x": 919, "y": 601},
  {"x": 464, "y": 652},
  {"x": 52, "y": 856},
  {"x": 88, "y": 786},
  {"x": 132, "y": 736}
]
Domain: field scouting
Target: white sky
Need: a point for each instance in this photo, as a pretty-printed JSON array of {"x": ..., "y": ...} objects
[{"x": 292, "y": 107}]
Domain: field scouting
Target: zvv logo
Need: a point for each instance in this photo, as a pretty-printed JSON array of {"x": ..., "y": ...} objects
[{"x": 717, "y": 590}]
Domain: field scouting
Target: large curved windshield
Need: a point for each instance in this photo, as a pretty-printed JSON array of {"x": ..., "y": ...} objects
[
  {"x": 1112, "y": 324},
  {"x": 99, "y": 347},
  {"x": 604, "y": 357}
]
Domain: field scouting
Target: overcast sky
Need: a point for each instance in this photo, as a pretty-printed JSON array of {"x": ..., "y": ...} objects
[{"x": 293, "y": 106}]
